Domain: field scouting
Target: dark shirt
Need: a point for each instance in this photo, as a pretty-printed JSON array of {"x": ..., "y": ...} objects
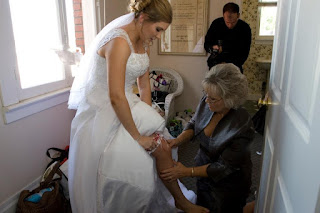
[
  {"x": 226, "y": 150},
  {"x": 235, "y": 42}
]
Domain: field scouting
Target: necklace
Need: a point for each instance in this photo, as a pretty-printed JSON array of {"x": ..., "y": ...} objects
[{"x": 146, "y": 44}]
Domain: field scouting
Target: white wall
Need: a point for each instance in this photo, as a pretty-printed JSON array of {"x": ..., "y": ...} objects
[
  {"x": 23, "y": 146},
  {"x": 23, "y": 143}
]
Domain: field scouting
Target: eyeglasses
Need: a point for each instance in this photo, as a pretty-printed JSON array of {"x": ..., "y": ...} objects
[{"x": 211, "y": 100}]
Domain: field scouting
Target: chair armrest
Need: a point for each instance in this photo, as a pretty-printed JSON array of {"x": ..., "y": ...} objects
[
  {"x": 179, "y": 80},
  {"x": 168, "y": 104},
  {"x": 169, "y": 100}
]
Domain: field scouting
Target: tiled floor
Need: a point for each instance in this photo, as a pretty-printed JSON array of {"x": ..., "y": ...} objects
[{"x": 187, "y": 152}]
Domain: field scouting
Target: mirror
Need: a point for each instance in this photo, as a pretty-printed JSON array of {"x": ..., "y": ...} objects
[{"x": 185, "y": 35}]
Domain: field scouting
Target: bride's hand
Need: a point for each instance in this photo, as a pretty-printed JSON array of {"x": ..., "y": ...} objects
[{"x": 148, "y": 143}]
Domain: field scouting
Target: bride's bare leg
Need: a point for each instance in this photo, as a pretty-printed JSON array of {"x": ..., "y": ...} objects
[{"x": 164, "y": 161}]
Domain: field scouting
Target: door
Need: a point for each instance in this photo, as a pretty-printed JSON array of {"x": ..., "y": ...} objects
[{"x": 291, "y": 158}]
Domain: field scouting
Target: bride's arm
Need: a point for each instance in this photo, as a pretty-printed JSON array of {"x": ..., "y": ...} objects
[{"x": 117, "y": 53}]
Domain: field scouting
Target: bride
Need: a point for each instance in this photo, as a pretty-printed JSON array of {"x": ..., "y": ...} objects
[{"x": 114, "y": 151}]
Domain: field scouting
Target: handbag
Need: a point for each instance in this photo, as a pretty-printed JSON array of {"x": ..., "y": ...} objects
[
  {"x": 259, "y": 119},
  {"x": 60, "y": 156},
  {"x": 46, "y": 198}
]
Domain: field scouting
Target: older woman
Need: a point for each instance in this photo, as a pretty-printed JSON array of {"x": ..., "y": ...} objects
[{"x": 225, "y": 131}]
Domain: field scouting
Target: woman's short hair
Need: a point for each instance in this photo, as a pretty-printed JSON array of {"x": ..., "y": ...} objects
[
  {"x": 229, "y": 83},
  {"x": 157, "y": 10}
]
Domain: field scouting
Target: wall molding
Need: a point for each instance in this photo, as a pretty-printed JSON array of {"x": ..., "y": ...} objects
[
  {"x": 9, "y": 205},
  {"x": 34, "y": 105}
]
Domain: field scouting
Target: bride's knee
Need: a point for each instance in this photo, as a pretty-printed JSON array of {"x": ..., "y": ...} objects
[
  {"x": 165, "y": 146},
  {"x": 163, "y": 150}
]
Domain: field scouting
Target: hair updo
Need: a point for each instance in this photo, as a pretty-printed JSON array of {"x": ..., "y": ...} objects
[
  {"x": 227, "y": 81},
  {"x": 156, "y": 10}
]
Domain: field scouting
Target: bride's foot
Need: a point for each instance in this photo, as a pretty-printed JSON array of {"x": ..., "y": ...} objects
[{"x": 192, "y": 208}]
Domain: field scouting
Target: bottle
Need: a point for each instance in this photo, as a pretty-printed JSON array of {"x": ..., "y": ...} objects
[{"x": 35, "y": 198}]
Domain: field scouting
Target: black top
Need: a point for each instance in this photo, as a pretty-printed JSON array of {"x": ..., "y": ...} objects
[
  {"x": 235, "y": 42},
  {"x": 227, "y": 150}
]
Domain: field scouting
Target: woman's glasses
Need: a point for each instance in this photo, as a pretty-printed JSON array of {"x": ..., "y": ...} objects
[{"x": 211, "y": 100}]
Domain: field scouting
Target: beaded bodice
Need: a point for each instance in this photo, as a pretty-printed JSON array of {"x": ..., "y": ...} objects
[{"x": 137, "y": 64}]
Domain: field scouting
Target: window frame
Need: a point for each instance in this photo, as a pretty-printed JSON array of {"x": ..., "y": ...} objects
[
  {"x": 18, "y": 103},
  {"x": 27, "y": 93},
  {"x": 263, "y": 39}
]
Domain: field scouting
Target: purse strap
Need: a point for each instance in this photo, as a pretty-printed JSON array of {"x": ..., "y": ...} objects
[
  {"x": 63, "y": 155},
  {"x": 49, "y": 177}
]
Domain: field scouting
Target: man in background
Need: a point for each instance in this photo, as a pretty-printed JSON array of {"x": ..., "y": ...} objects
[{"x": 228, "y": 39}]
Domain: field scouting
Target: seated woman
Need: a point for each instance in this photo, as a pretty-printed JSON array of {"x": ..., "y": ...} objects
[{"x": 225, "y": 131}]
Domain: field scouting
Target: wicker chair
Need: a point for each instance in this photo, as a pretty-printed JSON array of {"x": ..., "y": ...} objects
[{"x": 175, "y": 89}]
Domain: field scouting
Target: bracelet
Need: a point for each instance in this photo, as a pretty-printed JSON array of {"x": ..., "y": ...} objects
[
  {"x": 138, "y": 138},
  {"x": 192, "y": 171}
]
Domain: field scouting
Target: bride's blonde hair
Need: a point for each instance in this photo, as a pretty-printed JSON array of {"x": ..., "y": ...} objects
[{"x": 156, "y": 10}]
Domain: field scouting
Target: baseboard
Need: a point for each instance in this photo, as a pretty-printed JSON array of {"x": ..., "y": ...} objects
[
  {"x": 254, "y": 97},
  {"x": 9, "y": 205}
]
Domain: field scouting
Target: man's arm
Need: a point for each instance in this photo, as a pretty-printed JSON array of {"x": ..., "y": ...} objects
[
  {"x": 211, "y": 36},
  {"x": 246, "y": 45}
]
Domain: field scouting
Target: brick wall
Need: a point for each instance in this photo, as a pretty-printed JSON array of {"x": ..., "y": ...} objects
[{"x": 77, "y": 9}]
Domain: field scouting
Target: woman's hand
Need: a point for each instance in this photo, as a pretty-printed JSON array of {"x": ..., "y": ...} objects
[
  {"x": 176, "y": 172},
  {"x": 173, "y": 143},
  {"x": 148, "y": 143}
]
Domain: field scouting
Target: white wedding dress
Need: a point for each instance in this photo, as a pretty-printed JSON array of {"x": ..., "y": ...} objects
[{"x": 108, "y": 170}]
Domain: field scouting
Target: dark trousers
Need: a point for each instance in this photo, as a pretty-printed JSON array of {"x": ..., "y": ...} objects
[{"x": 221, "y": 202}]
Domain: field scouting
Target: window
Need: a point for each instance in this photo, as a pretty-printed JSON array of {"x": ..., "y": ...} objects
[
  {"x": 40, "y": 44},
  {"x": 266, "y": 21}
]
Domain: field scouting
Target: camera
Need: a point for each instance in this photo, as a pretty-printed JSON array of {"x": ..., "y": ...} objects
[
  {"x": 213, "y": 51},
  {"x": 215, "y": 55}
]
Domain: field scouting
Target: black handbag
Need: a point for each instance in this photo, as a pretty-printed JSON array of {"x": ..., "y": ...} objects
[{"x": 259, "y": 119}]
